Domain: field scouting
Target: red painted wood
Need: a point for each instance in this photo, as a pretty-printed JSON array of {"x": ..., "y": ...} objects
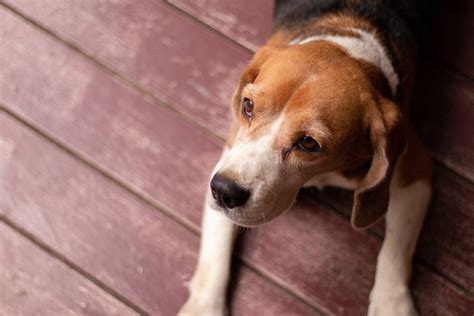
[
  {"x": 125, "y": 36},
  {"x": 310, "y": 240},
  {"x": 446, "y": 241},
  {"x": 428, "y": 288},
  {"x": 163, "y": 50},
  {"x": 322, "y": 256},
  {"x": 443, "y": 112},
  {"x": 33, "y": 283},
  {"x": 119, "y": 239},
  {"x": 97, "y": 115},
  {"x": 247, "y": 22},
  {"x": 452, "y": 35},
  {"x": 91, "y": 113}
]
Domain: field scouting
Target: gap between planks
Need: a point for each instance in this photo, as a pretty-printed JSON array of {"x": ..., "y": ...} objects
[
  {"x": 58, "y": 256},
  {"x": 217, "y": 139},
  {"x": 443, "y": 64},
  {"x": 151, "y": 96},
  {"x": 376, "y": 235},
  {"x": 148, "y": 200},
  {"x": 207, "y": 26}
]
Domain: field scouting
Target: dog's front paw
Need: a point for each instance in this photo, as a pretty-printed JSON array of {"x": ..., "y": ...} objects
[
  {"x": 195, "y": 307},
  {"x": 391, "y": 303}
]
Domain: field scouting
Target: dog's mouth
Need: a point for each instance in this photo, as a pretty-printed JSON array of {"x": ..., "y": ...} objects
[{"x": 241, "y": 217}]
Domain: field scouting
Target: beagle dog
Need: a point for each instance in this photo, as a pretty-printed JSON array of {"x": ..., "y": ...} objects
[{"x": 323, "y": 103}]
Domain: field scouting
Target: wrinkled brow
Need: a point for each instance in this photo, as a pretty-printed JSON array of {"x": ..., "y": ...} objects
[{"x": 251, "y": 89}]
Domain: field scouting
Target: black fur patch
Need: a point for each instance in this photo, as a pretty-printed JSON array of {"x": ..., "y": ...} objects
[{"x": 397, "y": 20}]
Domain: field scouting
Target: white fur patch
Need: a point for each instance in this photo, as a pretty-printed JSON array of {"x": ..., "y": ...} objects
[
  {"x": 365, "y": 47},
  {"x": 332, "y": 179},
  {"x": 390, "y": 295},
  {"x": 258, "y": 167}
]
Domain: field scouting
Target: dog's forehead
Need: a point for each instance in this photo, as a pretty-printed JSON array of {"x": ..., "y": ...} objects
[
  {"x": 319, "y": 95},
  {"x": 300, "y": 73},
  {"x": 301, "y": 92}
]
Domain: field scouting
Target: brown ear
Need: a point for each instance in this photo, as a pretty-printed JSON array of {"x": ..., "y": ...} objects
[{"x": 372, "y": 195}]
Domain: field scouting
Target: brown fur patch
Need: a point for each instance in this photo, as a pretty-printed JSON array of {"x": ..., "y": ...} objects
[{"x": 319, "y": 90}]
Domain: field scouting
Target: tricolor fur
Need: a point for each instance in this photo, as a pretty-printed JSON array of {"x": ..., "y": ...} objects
[{"x": 338, "y": 75}]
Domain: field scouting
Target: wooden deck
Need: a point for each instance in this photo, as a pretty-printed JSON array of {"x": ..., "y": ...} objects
[{"x": 112, "y": 115}]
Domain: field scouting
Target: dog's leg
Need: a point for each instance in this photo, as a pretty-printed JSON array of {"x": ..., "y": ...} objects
[
  {"x": 209, "y": 284},
  {"x": 390, "y": 295}
]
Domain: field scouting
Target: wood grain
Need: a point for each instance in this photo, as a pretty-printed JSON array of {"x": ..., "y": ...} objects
[
  {"x": 152, "y": 44},
  {"x": 34, "y": 283},
  {"x": 246, "y": 22},
  {"x": 146, "y": 43},
  {"x": 452, "y": 36},
  {"x": 311, "y": 240},
  {"x": 448, "y": 37},
  {"x": 113, "y": 235},
  {"x": 150, "y": 148},
  {"x": 443, "y": 112},
  {"x": 94, "y": 113},
  {"x": 446, "y": 241}
]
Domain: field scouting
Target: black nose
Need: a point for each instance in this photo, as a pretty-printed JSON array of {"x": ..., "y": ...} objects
[{"x": 227, "y": 193}]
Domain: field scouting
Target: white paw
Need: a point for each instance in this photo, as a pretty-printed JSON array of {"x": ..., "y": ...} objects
[
  {"x": 194, "y": 307},
  {"x": 391, "y": 303}
]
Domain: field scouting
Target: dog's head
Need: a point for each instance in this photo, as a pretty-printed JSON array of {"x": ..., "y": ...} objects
[{"x": 300, "y": 112}]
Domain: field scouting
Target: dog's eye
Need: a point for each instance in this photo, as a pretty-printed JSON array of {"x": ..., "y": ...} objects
[
  {"x": 247, "y": 107},
  {"x": 308, "y": 144}
]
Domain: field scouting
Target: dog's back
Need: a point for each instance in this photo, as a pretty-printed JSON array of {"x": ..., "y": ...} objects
[{"x": 398, "y": 19}]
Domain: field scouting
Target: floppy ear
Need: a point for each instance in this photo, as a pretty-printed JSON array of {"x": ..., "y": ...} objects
[{"x": 372, "y": 195}]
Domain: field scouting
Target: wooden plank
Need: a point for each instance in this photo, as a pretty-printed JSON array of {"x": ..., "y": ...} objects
[
  {"x": 132, "y": 248},
  {"x": 446, "y": 241},
  {"x": 452, "y": 36},
  {"x": 90, "y": 113},
  {"x": 310, "y": 240},
  {"x": 151, "y": 44},
  {"x": 77, "y": 96},
  {"x": 200, "y": 84},
  {"x": 443, "y": 112},
  {"x": 452, "y": 300},
  {"x": 114, "y": 236},
  {"x": 249, "y": 23},
  {"x": 246, "y": 22},
  {"x": 34, "y": 283}
]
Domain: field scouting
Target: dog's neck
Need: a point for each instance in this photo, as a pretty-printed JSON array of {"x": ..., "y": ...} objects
[{"x": 360, "y": 44}]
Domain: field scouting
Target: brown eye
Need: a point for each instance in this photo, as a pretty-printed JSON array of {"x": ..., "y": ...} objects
[
  {"x": 308, "y": 144},
  {"x": 247, "y": 107}
]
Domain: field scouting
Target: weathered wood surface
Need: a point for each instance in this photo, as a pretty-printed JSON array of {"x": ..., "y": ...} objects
[
  {"x": 200, "y": 84},
  {"x": 125, "y": 142},
  {"x": 123, "y": 242},
  {"x": 452, "y": 39},
  {"x": 179, "y": 77},
  {"x": 247, "y": 22},
  {"x": 311, "y": 240},
  {"x": 33, "y": 283},
  {"x": 446, "y": 241},
  {"x": 443, "y": 112},
  {"x": 92, "y": 112},
  {"x": 159, "y": 48}
]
